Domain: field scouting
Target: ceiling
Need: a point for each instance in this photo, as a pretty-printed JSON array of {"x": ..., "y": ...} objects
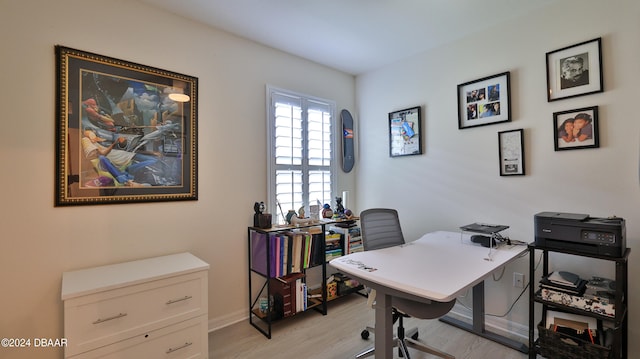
[{"x": 354, "y": 36}]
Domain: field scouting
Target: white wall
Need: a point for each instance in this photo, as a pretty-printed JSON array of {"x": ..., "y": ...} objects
[
  {"x": 456, "y": 181},
  {"x": 39, "y": 242}
]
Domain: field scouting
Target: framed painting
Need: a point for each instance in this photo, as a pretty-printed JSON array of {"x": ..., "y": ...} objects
[
  {"x": 511, "y": 152},
  {"x": 484, "y": 102},
  {"x": 125, "y": 132},
  {"x": 575, "y": 70},
  {"x": 576, "y": 129},
  {"x": 405, "y": 133}
]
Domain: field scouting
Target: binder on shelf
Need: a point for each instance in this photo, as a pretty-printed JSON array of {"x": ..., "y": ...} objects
[{"x": 259, "y": 252}]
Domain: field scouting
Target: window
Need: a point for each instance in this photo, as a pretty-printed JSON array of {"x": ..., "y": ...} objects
[{"x": 301, "y": 166}]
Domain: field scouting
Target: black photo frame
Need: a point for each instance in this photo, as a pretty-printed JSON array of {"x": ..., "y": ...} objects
[
  {"x": 485, "y": 101},
  {"x": 568, "y": 137},
  {"x": 511, "y": 152},
  {"x": 405, "y": 132},
  {"x": 125, "y": 132},
  {"x": 575, "y": 70}
]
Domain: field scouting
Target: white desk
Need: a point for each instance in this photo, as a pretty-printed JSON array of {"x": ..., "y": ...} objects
[{"x": 439, "y": 266}]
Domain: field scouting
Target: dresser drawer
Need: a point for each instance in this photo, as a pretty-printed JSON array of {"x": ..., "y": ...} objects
[
  {"x": 105, "y": 317},
  {"x": 182, "y": 340}
]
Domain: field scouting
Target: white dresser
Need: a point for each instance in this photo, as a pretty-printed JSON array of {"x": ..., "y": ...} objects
[{"x": 150, "y": 308}]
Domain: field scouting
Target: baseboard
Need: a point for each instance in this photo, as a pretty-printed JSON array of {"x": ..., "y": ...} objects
[
  {"x": 502, "y": 326},
  {"x": 513, "y": 330},
  {"x": 227, "y": 320}
]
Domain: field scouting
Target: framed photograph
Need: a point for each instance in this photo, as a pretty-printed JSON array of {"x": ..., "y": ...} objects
[
  {"x": 484, "y": 102},
  {"x": 405, "y": 133},
  {"x": 576, "y": 129},
  {"x": 125, "y": 132},
  {"x": 511, "y": 152},
  {"x": 575, "y": 70}
]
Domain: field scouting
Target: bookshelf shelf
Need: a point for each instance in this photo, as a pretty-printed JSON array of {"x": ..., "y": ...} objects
[
  {"x": 288, "y": 270},
  {"x": 549, "y": 343}
]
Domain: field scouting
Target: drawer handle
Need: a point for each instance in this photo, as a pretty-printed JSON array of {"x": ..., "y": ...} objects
[
  {"x": 186, "y": 297},
  {"x": 120, "y": 315},
  {"x": 171, "y": 350}
]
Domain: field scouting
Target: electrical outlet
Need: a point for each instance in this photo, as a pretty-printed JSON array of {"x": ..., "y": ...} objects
[{"x": 518, "y": 280}]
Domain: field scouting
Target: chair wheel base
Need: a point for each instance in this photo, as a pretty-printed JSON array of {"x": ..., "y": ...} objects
[{"x": 365, "y": 334}]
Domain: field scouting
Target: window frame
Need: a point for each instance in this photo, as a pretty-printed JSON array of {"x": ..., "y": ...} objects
[{"x": 272, "y": 167}]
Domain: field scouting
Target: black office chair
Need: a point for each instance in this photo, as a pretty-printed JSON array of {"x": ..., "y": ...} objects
[{"x": 381, "y": 229}]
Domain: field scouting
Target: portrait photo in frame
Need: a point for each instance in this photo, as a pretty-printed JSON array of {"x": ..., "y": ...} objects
[
  {"x": 485, "y": 101},
  {"x": 575, "y": 70},
  {"x": 511, "y": 152},
  {"x": 405, "y": 132},
  {"x": 576, "y": 129},
  {"x": 125, "y": 132}
]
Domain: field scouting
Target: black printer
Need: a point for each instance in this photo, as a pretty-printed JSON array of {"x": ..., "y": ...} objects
[{"x": 581, "y": 233}]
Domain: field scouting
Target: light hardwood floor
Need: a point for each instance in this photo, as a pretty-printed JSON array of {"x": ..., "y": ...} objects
[{"x": 311, "y": 335}]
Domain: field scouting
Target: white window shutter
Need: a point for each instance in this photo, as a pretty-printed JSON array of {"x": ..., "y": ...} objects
[{"x": 301, "y": 164}]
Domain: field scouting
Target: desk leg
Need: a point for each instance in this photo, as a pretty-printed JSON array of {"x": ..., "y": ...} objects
[
  {"x": 478, "y": 308},
  {"x": 478, "y": 322},
  {"x": 384, "y": 327}
]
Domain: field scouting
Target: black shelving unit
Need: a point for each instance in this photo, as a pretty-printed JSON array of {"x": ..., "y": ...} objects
[
  {"x": 619, "y": 345},
  {"x": 263, "y": 320}
]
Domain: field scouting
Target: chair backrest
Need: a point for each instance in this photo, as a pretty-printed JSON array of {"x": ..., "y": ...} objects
[{"x": 380, "y": 228}]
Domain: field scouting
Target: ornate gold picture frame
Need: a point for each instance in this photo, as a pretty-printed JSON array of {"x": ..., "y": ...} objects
[{"x": 125, "y": 132}]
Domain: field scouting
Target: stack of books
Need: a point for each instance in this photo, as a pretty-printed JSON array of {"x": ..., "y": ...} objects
[
  {"x": 564, "y": 282},
  {"x": 289, "y": 295},
  {"x": 286, "y": 252},
  {"x": 351, "y": 239},
  {"x": 569, "y": 289},
  {"x": 333, "y": 245}
]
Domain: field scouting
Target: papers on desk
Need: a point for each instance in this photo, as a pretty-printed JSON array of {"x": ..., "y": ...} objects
[{"x": 356, "y": 264}]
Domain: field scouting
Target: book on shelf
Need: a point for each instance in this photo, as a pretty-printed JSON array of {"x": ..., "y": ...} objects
[
  {"x": 332, "y": 241},
  {"x": 333, "y": 253},
  {"x": 285, "y": 252},
  {"x": 277, "y": 243},
  {"x": 301, "y": 298},
  {"x": 355, "y": 240},
  {"x": 565, "y": 278},
  {"x": 284, "y": 291},
  {"x": 296, "y": 248},
  {"x": 259, "y": 252},
  {"x": 573, "y": 290},
  {"x": 351, "y": 238},
  {"x": 356, "y": 247}
]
